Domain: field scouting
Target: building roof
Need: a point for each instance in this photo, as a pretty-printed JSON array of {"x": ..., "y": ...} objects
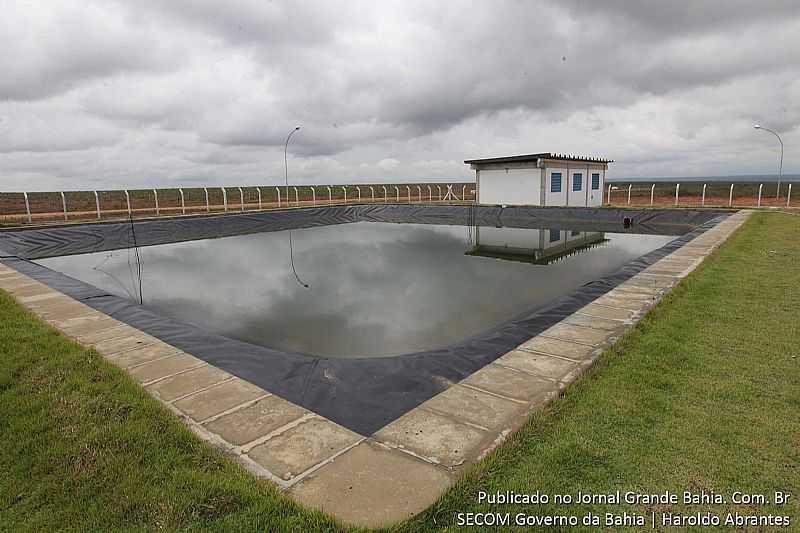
[{"x": 531, "y": 158}]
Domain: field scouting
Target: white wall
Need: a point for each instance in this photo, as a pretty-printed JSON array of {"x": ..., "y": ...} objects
[
  {"x": 516, "y": 186},
  {"x": 556, "y": 198},
  {"x": 575, "y": 236},
  {"x": 509, "y": 237}
]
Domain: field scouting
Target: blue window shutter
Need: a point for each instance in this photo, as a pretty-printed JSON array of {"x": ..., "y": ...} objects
[
  {"x": 577, "y": 181},
  {"x": 595, "y": 181},
  {"x": 555, "y": 182}
]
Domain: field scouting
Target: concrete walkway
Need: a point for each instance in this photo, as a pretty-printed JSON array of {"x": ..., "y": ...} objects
[{"x": 405, "y": 466}]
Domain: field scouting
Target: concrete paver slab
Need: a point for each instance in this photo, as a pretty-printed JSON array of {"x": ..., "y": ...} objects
[
  {"x": 370, "y": 486},
  {"x": 562, "y": 348},
  {"x": 434, "y": 437},
  {"x": 35, "y": 289},
  {"x": 80, "y": 326},
  {"x": 110, "y": 347},
  {"x": 655, "y": 282},
  {"x": 218, "y": 399},
  {"x": 582, "y": 334},
  {"x": 64, "y": 310},
  {"x": 634, "y": 291},
  {"x": 148, "y": 353},
  {"x": 59, "y": 301},
  {"x": 47, "y": 296},
  {"x": 12, "y": 283},
  {"x": 302, "y": 447},
  {"x": 162, "y": 368},
  {"x": 188, "y": 382},
  {"x": 257, "y": 420},
  {"x": 622, "y": 302},
  {"x": 512, "y": 383},
  {"x": 538, "y": 364},
  {"x": 479, "y": 408},
  {"x": 587, "y": 321},
  {"x": 600, "y": 311},
  {"x": 93, "y": 337}
]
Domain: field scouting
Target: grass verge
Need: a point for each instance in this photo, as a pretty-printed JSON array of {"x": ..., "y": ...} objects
[{"x": 703, "y": 395}]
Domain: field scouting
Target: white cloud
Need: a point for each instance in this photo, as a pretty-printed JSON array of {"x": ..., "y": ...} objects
[{"x": 127, "y": 94}]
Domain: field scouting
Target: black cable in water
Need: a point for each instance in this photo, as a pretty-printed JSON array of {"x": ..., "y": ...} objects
[
  {"x": 286, "y": 177},
  {"x": 138, "y": 259},
  {"x": 291, "y": 258}
]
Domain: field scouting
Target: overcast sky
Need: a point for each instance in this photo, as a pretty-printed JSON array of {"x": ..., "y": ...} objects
[{"x": 128, "y": 93}]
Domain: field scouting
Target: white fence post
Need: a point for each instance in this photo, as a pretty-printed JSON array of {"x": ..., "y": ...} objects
[
  {"x": 652, "y": 193},
  {"x": 408, "y": 191},
  {"x": 419, "y": 194},
  {"x": 183, "y": 202},
  {"x": 677, "y": 191},
  {"x": 397, "y": 193},
  {"x": 359, "y": 193},
  {"x": 313, "y": 196},
  {"x": 344, "y": 188},
  {"x": 609, "y": 195},
  {"x": 155, "y": 199},
  {"x": 430, "y": 194},
  {"x": 208, "y": 207},
  {"x": 259, "y": 197},
  {"x": 464, "y": 193},
  {"x": 279, "y": 195},
  {"x": 372, "y": 194},
  {"x": 760, "y": 187},
  {"x": 330, "y": 196},
  {"x": 439, "y": 187},
  {"x": 27, "y": 207},
  {"x": 703, "y": 198},
  {"x": 224, "y": 198},
  {"x": 296, "y": 196},
  {"x": 241, "y": 199},
  {"x": 789, "y": 195},
  {"x": 97, "y": 204},
  {"x": 730, "y": 197},
  {"x": 385, "y": 195},
  {"x": 128, "y": 201},
  {"x": 630, "y": 185},
  {"x": 64, "y": 204}
]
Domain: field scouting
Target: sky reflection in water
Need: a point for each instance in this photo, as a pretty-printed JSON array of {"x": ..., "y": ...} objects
[{"x": 377, "y": 289}]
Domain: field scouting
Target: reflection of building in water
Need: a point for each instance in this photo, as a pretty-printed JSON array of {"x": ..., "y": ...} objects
[{"x": 536, "y": 246}]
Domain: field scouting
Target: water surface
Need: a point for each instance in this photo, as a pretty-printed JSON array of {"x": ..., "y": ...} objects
[{"x": 375, "y": 289}]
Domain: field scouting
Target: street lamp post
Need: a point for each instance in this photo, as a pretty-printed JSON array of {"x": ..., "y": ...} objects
[
  {"x": 780, "y": 165},
  {"x": 285, "y": 163}
]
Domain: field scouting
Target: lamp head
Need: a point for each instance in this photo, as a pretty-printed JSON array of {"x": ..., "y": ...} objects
[
  {"x": 297, "y": 128},
  {"x": 757, "y": 126}
]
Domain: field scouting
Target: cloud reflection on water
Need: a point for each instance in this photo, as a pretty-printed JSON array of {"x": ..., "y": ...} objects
[{"x": 376, "y": 289}]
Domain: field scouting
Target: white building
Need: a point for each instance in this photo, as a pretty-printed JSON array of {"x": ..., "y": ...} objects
[{"x": 540, "y": 179}]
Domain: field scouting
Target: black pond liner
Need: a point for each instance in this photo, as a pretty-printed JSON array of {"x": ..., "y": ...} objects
[{"x": 360, "y": 394}]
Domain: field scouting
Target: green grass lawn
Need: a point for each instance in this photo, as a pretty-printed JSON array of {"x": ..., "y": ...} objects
[{"x": 702, "y": 395}]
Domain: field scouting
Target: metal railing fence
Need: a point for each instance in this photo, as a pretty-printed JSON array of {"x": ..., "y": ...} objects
[
  {"x": 39, "y": 207},
  {"x": 697, "y": 194}
]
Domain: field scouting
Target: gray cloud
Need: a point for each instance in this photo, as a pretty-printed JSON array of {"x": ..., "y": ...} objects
[
  {"x": 147, "y": 92},
  {"x": 48, "y": 51}
]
